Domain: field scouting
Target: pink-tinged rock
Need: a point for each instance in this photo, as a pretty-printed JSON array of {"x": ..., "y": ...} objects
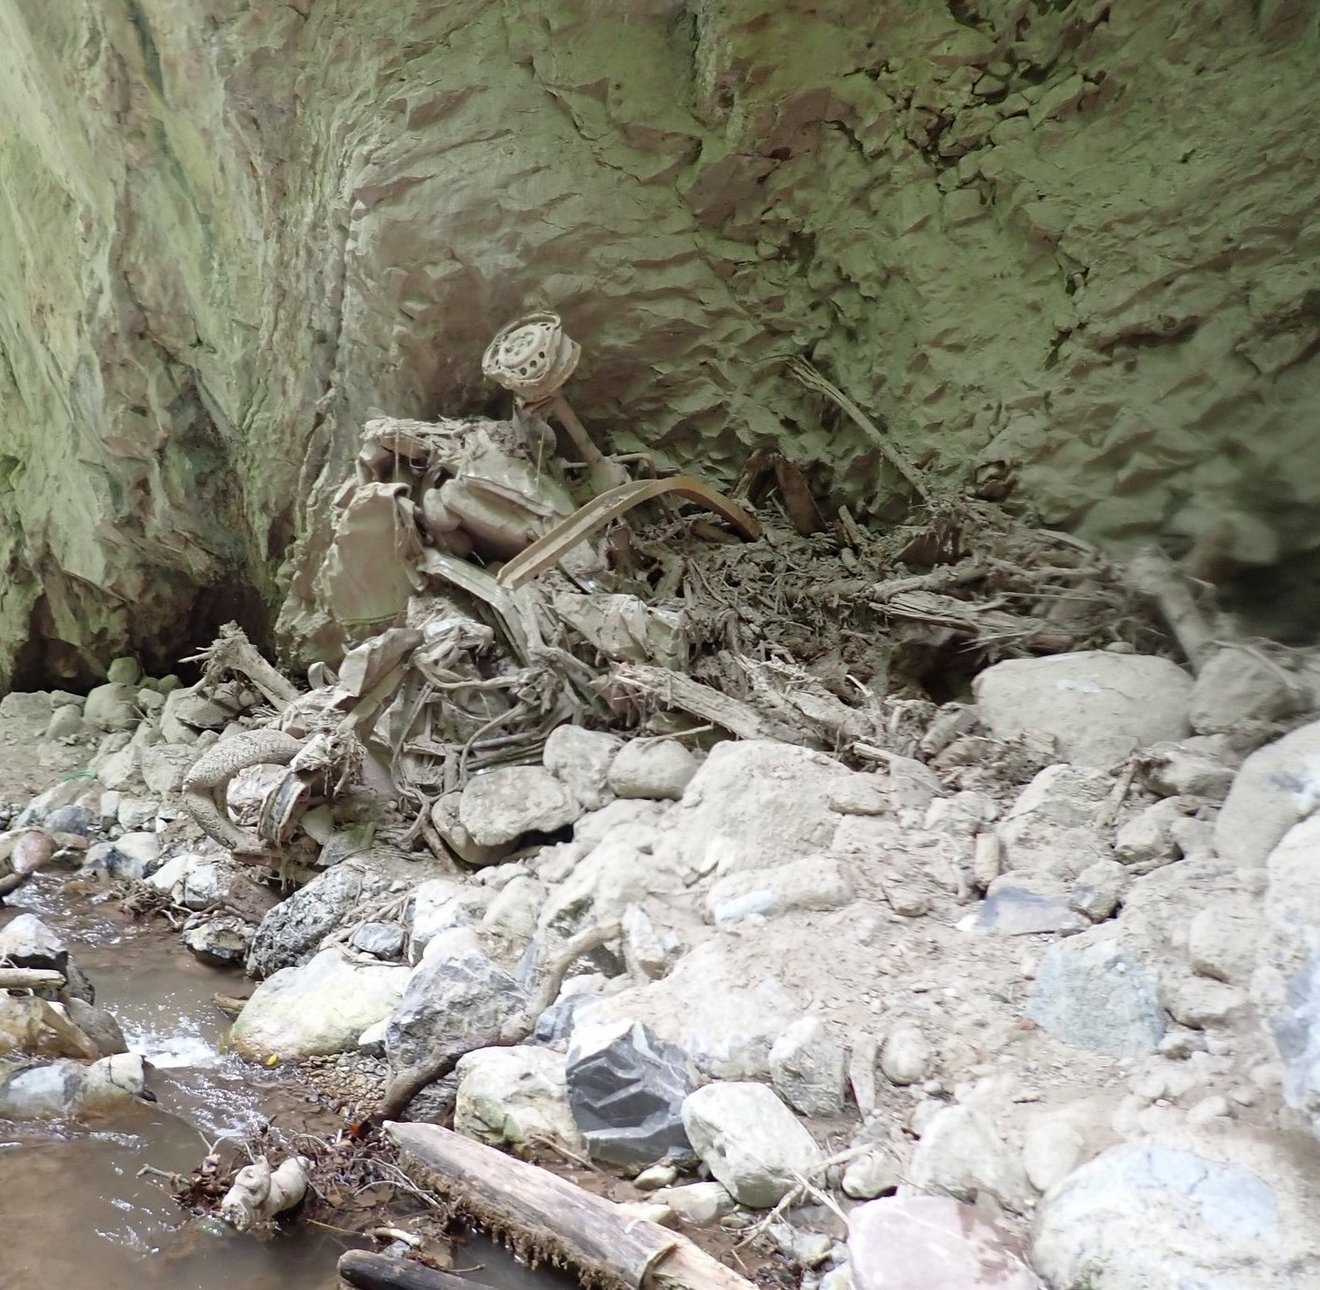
[{"x": 931, "y": 1243}]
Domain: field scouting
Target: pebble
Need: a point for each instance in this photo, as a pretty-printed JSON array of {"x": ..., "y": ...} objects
[
  {"x": 655, "y": 1177},
  {"x": 906, "y": 1056}
]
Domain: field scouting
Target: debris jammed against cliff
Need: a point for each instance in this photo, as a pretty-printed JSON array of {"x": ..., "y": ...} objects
[{"x": 477, "y": 609}]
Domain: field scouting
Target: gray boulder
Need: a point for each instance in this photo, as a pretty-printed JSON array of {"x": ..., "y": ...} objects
[
  {"x": 1226, "y": 1213},
  {"x": 1096, "y": 994},
  {"x": 454, "y": 994},
  {"x": 290, "y": 933},
  {"x": 808, "y": 1066},
  {"x": 627, "y": 1092}
]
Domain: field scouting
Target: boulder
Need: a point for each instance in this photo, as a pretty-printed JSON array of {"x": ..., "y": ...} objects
[
  {"x": 455, "y": 994},
  {"x": 931, "y": 1243},
  {"x": 1286, "y": 984},
  {"x": 814, "y": 882},
  {"x": 750, "y": 1141},
  {"x": 319, "y": 1007},
  {"x": 871, "y": 1174},
  {"x": 27, "y": 942},
  {"x": 1100, "y": 707},
  {"x": 627, "y": 1092},
  {"x": 507, "y": 1096},
  {"x": 1099, "y": 889},
  {"x": 1277, "y": 786},
  {"x": 1019, "y": 904},
  {"x": 808, "y": 1067},
  {"x": 581, "y": 760},
  {"x": 164, "y": 766},
  {"x": 34, "y": 1027},
  {"x": 1192, "y": 768},
  {"x": 381, "y": 940},
  {"x": 906, "y": 1055},
  {"x": 1223, "y": 1213},
  {"x": 1050, "y": 828},
  {"x": 502, "y": 805},
  {"x": 961, "y": 1153},
  {"x": 98, "y": 1025},
  {"x": 1096, "y": 994},
  {"x": 652, "y": 768},
  {"x": 186, "y": 712},
  {"x": 221, "y": 939},
  {"x": 752, "y": 805},
  {"x": 707, "y": 1006},
  {"x": 698, "y": 1204},
  {"x": 445, "y": 818},
  {"x": 73, "y": 818},
  {"x": 129, "y": 858},
  {"x": 1239, "y": 686},
  {"x": 291, "y": 932},
  {"x": 1223, "y": 938},
  {"x": 439, "y": 905},
  {"x": 66, "y": 722},
  {"x": 112, "y": 707},
  {"x": 125, "y": 670},
  {"x": 66, "y": 1089}
]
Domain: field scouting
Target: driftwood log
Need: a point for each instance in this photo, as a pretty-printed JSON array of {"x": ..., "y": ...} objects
[
  {"x": 549, "y": 1218},
  {"x": 29, "y": 978},
  {"x": 364, "y": 1270}
]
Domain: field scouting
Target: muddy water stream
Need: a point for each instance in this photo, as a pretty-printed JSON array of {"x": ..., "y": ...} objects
[{"x": 73, "y": 1212}]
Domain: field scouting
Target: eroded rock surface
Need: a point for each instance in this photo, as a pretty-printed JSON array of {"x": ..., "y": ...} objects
[{"x": 1038, "y": 241}]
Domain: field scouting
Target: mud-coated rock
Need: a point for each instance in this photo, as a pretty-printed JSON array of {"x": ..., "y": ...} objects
[
  {"x": 581, "y": 759},
  {"x": 652, "y": 768},
  {"x": 815, "y": 882},
  {"x": 752, "y": 805},
  {"x": 502, "y": 805},
  {"x": 1100, "y": 707}
]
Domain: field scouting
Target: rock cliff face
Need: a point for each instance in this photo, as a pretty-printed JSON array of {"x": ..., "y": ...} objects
[{"x": 1076, "y": 237}]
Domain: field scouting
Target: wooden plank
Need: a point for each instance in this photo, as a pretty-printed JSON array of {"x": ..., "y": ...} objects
[{"x": 549, "y": 1216}]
